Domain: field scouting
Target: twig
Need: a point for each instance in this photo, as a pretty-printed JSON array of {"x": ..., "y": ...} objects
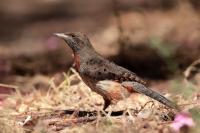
[
  {"x": 92, "y": 113},
  {"x": 60, "y": 119},
  {"x": 142, "y": 107},
  {"x": 8, "y": 86}
]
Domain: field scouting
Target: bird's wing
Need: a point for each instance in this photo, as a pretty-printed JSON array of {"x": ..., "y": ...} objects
[
  {"x": 102, "y": 69},
  {"x": 122, "y": 74}
]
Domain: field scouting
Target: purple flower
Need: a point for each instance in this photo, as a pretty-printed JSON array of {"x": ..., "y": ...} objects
[{"x": 182, "y": 119}]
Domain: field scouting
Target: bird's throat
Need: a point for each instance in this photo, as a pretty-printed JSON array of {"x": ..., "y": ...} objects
[{"x": 77, "y": 62}]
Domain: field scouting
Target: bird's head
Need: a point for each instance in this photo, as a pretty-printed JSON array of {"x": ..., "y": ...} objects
[{"x": 76, "y": 40}]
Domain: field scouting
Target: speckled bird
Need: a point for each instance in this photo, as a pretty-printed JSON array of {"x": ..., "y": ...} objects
[{"x": 100, "y": 74}]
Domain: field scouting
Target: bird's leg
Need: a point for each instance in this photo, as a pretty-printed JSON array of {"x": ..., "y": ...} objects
[{"x": 106, "y": 104}]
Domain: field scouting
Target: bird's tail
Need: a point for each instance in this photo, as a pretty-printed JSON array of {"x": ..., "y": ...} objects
[{"x": 151, "y": 93}]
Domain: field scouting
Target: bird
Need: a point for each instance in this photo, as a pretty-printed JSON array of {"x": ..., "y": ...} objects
[{"x": 98, "y": 73}]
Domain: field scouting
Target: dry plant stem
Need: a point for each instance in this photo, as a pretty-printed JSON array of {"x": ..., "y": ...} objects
[
  {"x": 142, "y": 107},
  {"x": 65, "y": 118},
  {"x": 93, "y": 113},
  {"x": 188, "y": 104},
  {"x": 71, "y": 112},
  {"x": 71, "y": 122},
  {"x": 8, "y": 86}
]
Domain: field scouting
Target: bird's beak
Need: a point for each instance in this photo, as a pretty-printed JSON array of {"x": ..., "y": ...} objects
[{"x": 62, "y": 35}]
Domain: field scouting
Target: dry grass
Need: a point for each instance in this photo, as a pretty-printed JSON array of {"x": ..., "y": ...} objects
[{"x": 37, "y": 111}]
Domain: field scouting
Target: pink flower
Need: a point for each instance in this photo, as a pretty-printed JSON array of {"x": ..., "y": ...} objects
[
  {"x": 52, "y": 43},
  {"x": 182, "y": 120}
]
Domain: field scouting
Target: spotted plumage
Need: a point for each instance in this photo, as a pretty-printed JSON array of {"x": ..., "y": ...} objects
[{"x": 99, "y": 73}]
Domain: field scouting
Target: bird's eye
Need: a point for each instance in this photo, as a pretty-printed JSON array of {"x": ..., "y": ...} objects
[{"x": 73, "y": 35}]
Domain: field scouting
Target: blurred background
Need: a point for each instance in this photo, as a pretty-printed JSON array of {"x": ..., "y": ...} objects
[{"x": 157, "y": 39}]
